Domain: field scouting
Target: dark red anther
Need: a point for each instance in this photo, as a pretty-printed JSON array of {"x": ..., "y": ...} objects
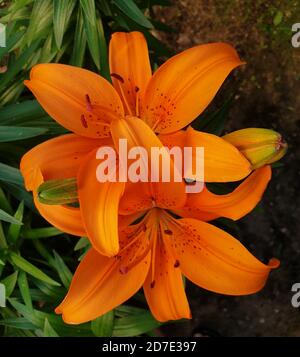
[
  {"x": 168, "y": 232},
  {"x": 88, "y": 103},
  {"x": 123, "y": 270},
  {"x": 83, "y": 121},
  {"x": 152, "y": 284},
  {"x": 176, "y": 264},
  {"x": 117, "y": 76}
]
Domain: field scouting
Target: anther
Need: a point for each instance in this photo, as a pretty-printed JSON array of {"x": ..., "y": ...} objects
[
  {"x": 83, "y": 121},
  {"x": 176, "y": 264},
  {"x": 152, "y": 284},
  {"x": 117, "y": 76},
  {"x": 123, "y": 270},
  {"x": 88, "y": 103},
  {"x": 168, "y": 232}
]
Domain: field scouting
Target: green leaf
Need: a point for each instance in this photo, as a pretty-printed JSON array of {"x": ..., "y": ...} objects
[
  {"x": 4, "y": 203},
  {"x": 214, "y": 123},
  {"x": 18, "y": 323},
  {"x": 135, "y": 325},
  {"x": 130, "y": 9},
  {"x": 49, "y": 330},
  {"x": 8, "y": 218},
  {"x": 19, "y": 113},
  {"x": 37, "y": 318},
  {"x": 2, "y": 295},
  {"x": 82, "y": 243},
  {"x": 62, "y": 12},
  {"x": 79, "y": 45},
  {"x": 91, "y": 29},
  {"x": 11, "y": 175},
  {"x": 37, "y": 233},
  {"x": 104, "y": 63},
  {"x": 278, "y": 18},
  {"x": 17, "y": 65},
  {"x": 40, "y": 20},
  {"x": 24, "y": 289},
  {"x": 103, "y": 326},
  {"x": 31, "y": 269},
  {"x": 11, "y": 42},
  {"x": 14, "y": 229},
  {"x": 14, "y": 133},
  {"x": 10, "y": 282},
  {"x": 3, "y": 244},
  {"x": 62, "y": 270}
]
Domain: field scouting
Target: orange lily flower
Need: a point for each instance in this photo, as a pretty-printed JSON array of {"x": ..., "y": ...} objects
[
  {"x": 158, "y": 250},
  {"x": 136, "y": 107}
]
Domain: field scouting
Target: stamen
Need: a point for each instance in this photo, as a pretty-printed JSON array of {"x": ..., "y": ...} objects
[
  {"x": 168, "y": 232},
  {"x": 123, "y": 270},
  {"x": 83, "y": 121},
  {"x": 117, "y": 76},
  {"x": 120, "y": 82},
  {"x": 152, "y": 284},
  {"x": 88, "y": 103},
  {"x": 176, "y": 264}
]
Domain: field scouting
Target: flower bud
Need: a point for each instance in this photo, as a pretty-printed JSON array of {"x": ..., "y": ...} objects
[
  {"x": 260, "y": 146},
  {"x": 58, "y": 192}
]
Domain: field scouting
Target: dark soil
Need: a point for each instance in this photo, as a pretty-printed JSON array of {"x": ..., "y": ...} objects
[{"x": 267, "y": 95}]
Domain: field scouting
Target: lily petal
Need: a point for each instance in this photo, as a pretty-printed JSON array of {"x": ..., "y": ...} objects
[
  {"x": 234, "y": 205},
  {"x": 164, "y": 289},
  {"x": 78, "y": 99},
  {"x": 183, "y": 86},
  {"x": 214, "y": 260},
  {"x": 222, "y": 161},
  {"x": 58, "y": 158},
  {"x": 138, "y": 134},
  {"x": 130, "y": 68},
  {"x": 136, "y": 198},
  {"x": 99, "y": 203},
  {"x": 99, "y": 285}
]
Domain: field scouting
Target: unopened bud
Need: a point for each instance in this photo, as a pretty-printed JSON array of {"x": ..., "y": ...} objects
[
  {"x": 58, "y": 192},
  {"x": 260, "y": 146}
]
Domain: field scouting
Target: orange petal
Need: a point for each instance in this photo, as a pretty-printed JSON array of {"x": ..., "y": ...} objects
[
  {"x": 233, "y": 205},
  {"x": 79, "y": 100},
  {"x": 214, "y": 260},
  {"x": 65, "y": 218},
  {"x": 222, "y": 161},
  {"x": 164, "y": 290},
  {"x": 138, "y": 134},
  {"x": 99, "y": 203},
  {"x": 130, "y": 68},
  {"x": 57, "y": 158},
  {"x": 136, "y": 198},
  {"x": 183, "y": 86},
  {"x": 99, "y": 285}
]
